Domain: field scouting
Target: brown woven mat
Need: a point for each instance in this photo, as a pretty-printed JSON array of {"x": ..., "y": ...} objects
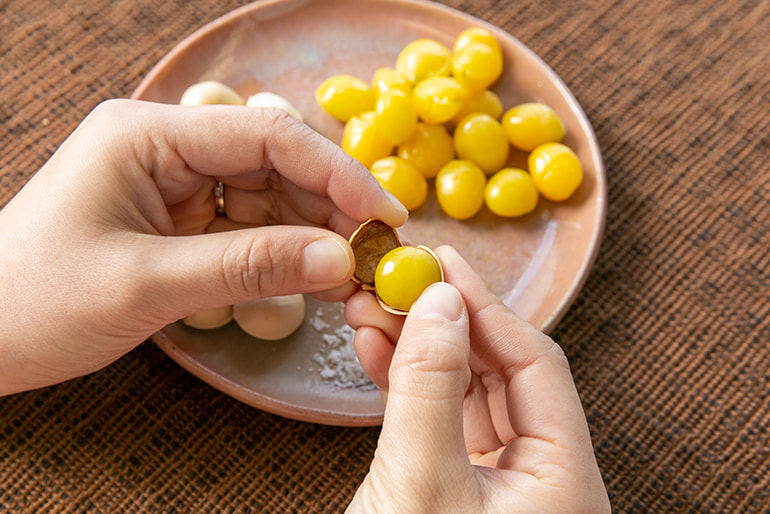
[{"x": 669, "y": 341}]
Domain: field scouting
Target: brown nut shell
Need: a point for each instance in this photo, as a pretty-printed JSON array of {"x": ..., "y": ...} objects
[{"x": 370, "y": 242}]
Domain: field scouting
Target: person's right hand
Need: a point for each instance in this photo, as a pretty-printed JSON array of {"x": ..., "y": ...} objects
[{"x": 481, "y": 414}]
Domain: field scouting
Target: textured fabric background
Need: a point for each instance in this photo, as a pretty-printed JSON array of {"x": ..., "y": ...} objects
[{"x": 669, "y": 340}]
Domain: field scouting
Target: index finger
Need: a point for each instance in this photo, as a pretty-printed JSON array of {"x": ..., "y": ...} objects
[
  {"x": 541, "y": 397},
  {"x": 232, "y": 143}
]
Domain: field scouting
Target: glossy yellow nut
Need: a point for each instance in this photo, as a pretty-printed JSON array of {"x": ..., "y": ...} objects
[
  {"x": 477, "y": 66},
  {"x": 344, "y": 96},
  {"x": 424, "y": 58},
  {"x": 475, "y": 35},
  {"x": 480, "y": 102},
  {"x": 402, "y": 180},
  {"x": 511, "y": 193},
  {"x": 481, "y": 139},
  {"x": 385, "y": 79},
  {"x": 429, "y": 148},
  {"x": 438, "y": 99},
  {"x": 403, "y": 274},
  {"x": 396, "y": 116},
  {"x": 556, "y": 171},
  {"x": 362, "y": 140},
  {"x": 532, "y": 124},
  {"x": 460, "y": 189}
]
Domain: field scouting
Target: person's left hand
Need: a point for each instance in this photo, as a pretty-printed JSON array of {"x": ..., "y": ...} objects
[{"x": 87, "y": 265}]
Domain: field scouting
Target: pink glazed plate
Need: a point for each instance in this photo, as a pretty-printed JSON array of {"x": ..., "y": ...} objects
[{"x": 536, "y": 264}]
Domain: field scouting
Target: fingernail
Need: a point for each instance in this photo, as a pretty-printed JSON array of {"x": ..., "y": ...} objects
[
  {"x": 326, "y": 261},
  {"x": 439, "y": 300}
]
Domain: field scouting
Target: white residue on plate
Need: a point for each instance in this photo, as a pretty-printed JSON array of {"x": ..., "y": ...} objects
[
  {"x": 317, "y": 321},
  {"x": 336, "y": 358}
]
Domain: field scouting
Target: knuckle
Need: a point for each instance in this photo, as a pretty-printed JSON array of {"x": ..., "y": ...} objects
[
  {"x": 108, "y": 113},
  {"x": 109, "y": 107},
  {"x": 557, "y": 354},
  {"x": 434, "y": 371},
  {"x": 276, "y": 123},
  {"x": 432, "y": 349},
  {"x": 252, "y": 270}
]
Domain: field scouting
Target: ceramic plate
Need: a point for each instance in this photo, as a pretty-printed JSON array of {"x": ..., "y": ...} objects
[{"x": 537, "y": 264}]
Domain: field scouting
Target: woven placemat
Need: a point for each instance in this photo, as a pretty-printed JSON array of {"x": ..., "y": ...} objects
[{"x": 669, "y": 340}]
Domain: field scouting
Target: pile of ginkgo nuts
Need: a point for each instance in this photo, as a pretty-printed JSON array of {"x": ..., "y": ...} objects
[{"x": 435, "y": 116}]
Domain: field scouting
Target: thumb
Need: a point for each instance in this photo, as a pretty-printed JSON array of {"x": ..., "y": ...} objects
[
  {"x": 428, "y": 378},
  {"x": 193, "y": 273}
]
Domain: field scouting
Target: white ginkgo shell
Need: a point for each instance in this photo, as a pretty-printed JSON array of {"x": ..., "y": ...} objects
[
  {"x": 210, "y": 319},
  {"x": 211, "y": 92},
  {"x": 270, "y": 318},
  {"x": 267, "y": 99}
]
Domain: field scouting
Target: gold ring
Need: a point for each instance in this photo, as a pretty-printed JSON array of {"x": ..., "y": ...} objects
[{"x": 219, "y": 199}]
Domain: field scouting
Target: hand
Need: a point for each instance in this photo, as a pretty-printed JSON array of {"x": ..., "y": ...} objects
[
  {"x": 89, "y": 267},
  {"x": 481, "y": 414}
]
